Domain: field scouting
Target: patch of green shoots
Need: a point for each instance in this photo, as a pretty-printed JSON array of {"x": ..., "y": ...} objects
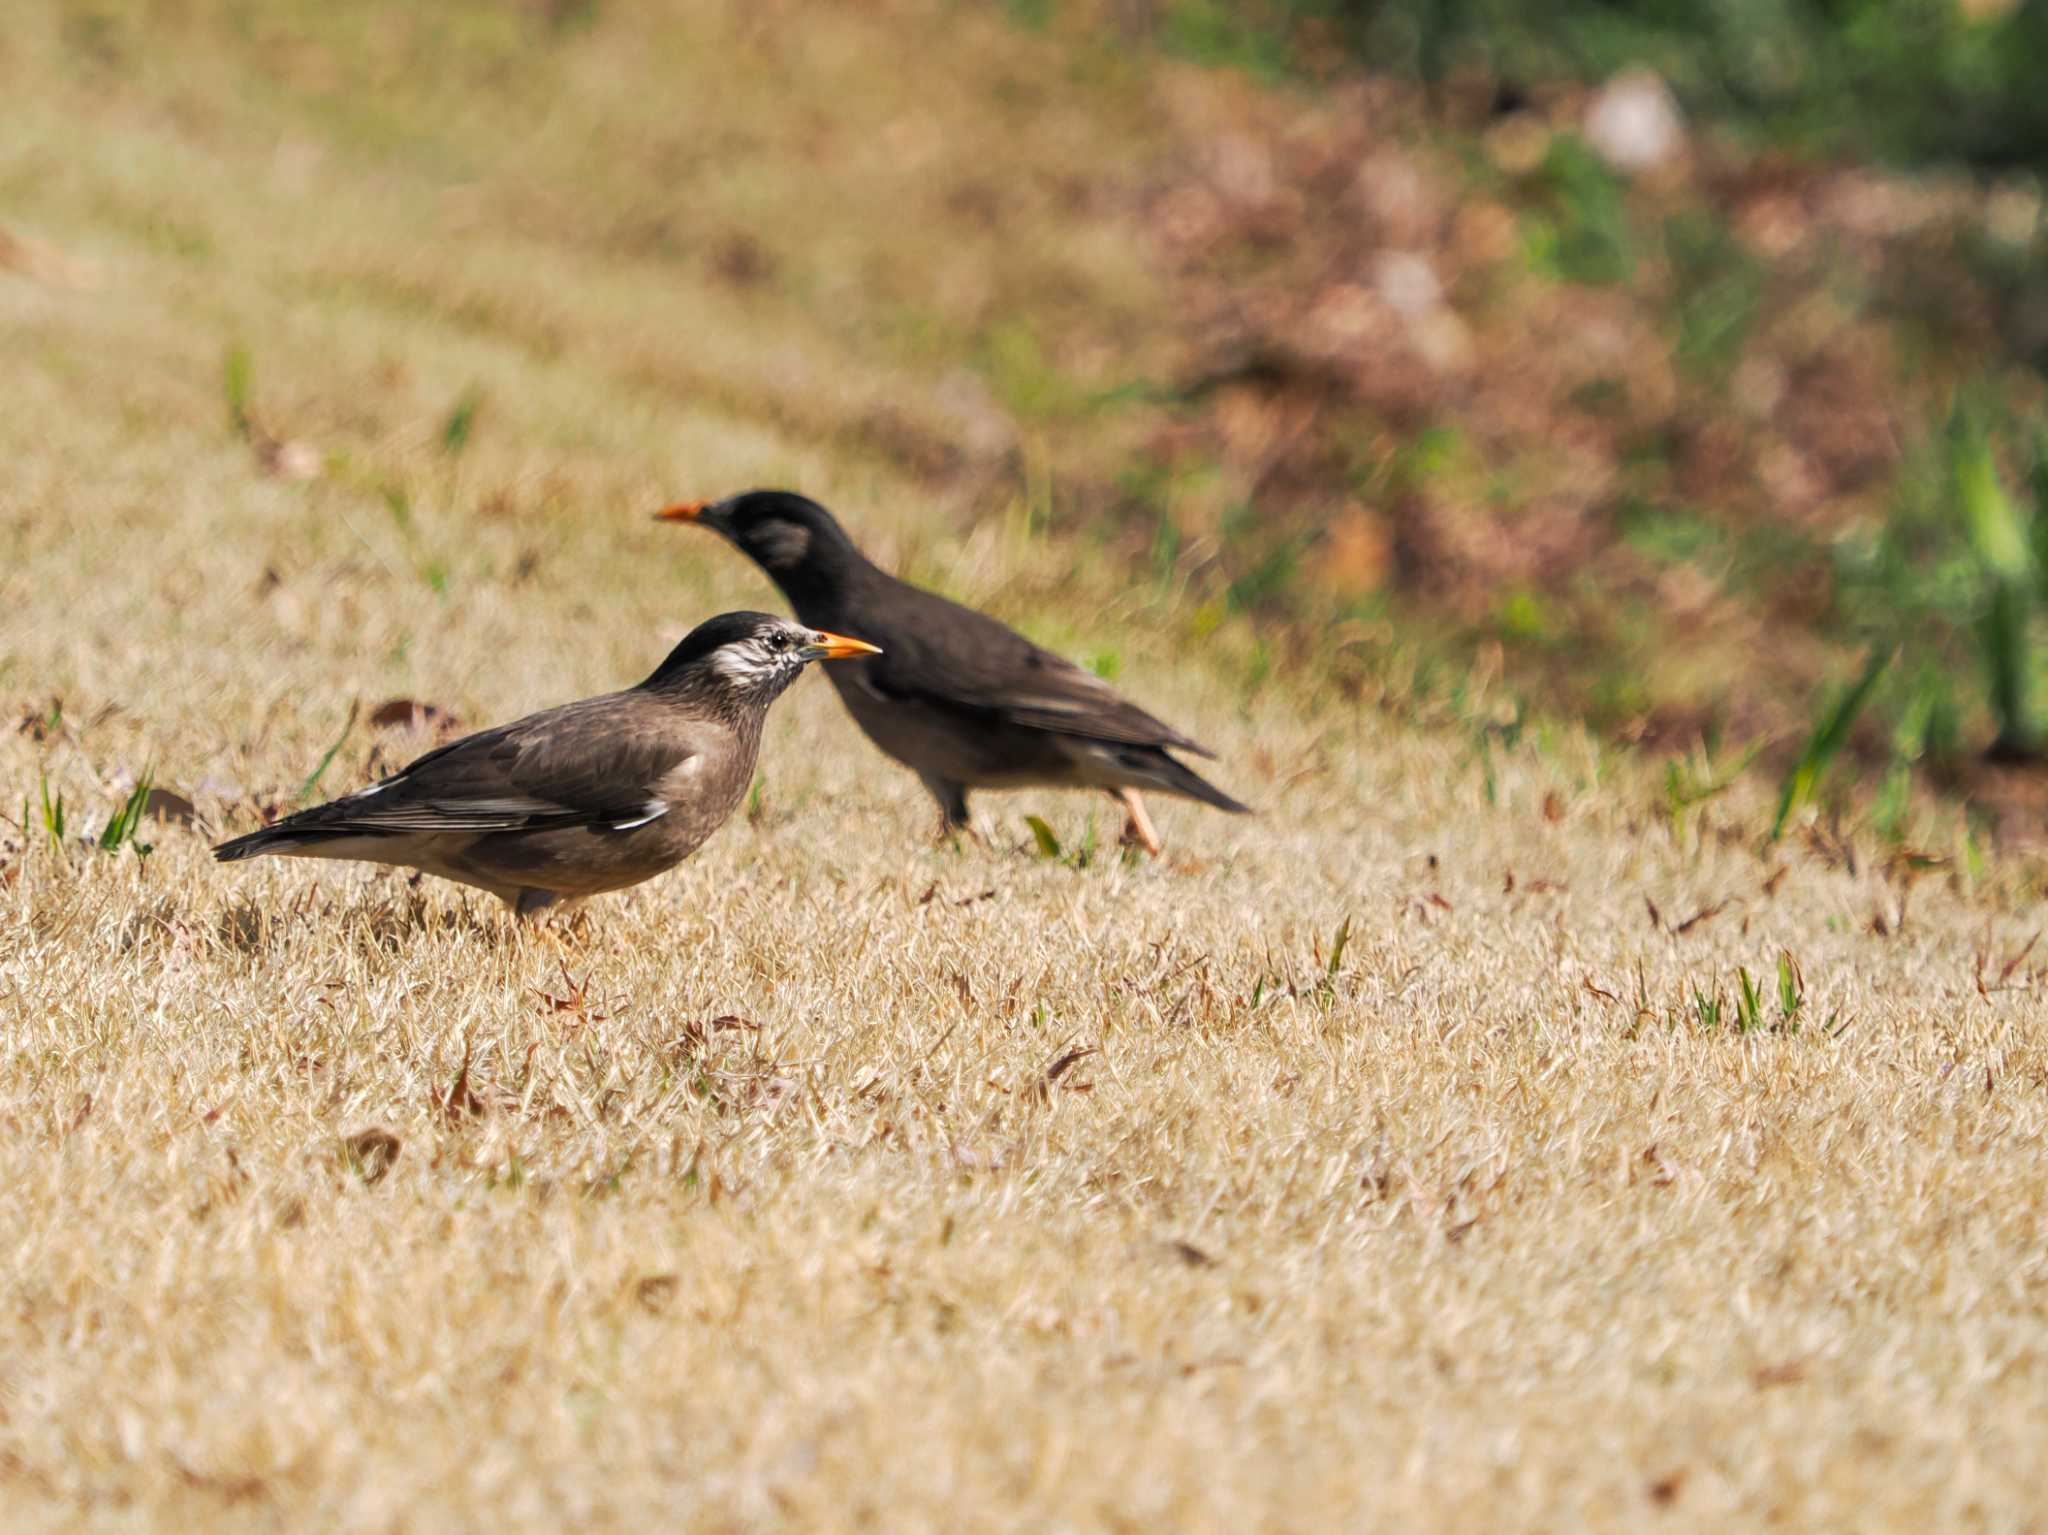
[
  {"x": 1709, "y": 1010},
  {"x": 1048, "y": 845},
  {"x": 122, "y": 826},
  {"x": 1688, "y": 785}
]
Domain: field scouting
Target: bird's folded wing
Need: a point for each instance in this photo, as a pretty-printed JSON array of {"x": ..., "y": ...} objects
[
  {"x": 577, "y": 766},
  {"x": 1022, "y": 685},
  {"x": 1116, "y": 720}
]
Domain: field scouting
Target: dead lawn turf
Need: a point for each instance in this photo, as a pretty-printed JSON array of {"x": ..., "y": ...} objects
[{"x": 838, "y": 1180}]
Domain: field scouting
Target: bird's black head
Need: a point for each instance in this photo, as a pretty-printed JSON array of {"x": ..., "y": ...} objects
[
  {"x": 738, "y": 660},
  {"x": 799, "y": 544}
]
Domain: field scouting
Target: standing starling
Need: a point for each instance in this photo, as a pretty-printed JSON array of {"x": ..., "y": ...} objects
[
  {"x": 961, "y": 700},
  {"x": 575, "y": 801}
]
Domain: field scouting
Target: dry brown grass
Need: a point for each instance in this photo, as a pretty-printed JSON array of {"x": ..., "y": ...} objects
[{"x": 790, "y": 1202}]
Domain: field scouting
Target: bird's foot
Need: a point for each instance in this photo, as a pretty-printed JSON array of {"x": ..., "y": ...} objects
[
  {"x": 1138, "y": 831},
  {"x": 975, "y": 829},
  {"x": 552, "y": 919},
  {"x": 529, "y": 904}
]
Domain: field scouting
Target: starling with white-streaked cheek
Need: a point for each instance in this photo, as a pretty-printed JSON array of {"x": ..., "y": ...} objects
[{"x": 575, "y": 801}]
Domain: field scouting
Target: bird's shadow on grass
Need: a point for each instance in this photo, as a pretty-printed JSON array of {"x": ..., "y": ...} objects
[
  {"x": 152, "y": 920},
  {"x": 390, "y": 919}
]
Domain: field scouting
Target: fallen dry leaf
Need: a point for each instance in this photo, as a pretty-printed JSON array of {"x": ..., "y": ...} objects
[
  {"x": 461, "y": 1101},
  {"x": 411, "y": 714},
  {"x": 169, "y": 805},
  {"x": 1786, "y": 1373},
  {"x": 370, "y": 1153}
]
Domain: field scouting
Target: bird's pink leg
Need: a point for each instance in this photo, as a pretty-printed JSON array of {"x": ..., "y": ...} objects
[{"x": 1137, "y": 824}]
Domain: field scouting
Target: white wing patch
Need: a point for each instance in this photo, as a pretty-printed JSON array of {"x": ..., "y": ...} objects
[{"x": 653, "y": 810}]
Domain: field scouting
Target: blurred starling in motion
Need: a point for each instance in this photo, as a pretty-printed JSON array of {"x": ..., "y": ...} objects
[
  {"x": 960, "y": 699},
  {"x": 575, "y": 801}
]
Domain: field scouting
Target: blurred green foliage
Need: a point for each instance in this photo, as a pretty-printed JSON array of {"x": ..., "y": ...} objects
[
  {"x": 1902, "y": 79},
  {"x": 1585, "y": 238},
  {"x": 1719, "y": 286},
  {"x": 1955, "y": 578}
]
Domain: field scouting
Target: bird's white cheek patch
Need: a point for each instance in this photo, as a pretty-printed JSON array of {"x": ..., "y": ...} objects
[{"x": 742, "y": 665}]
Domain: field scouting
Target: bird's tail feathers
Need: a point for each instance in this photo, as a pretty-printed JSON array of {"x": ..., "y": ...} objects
[
  {"x": 1175, "y": 777},
  {"x": 284, "y": 837}
]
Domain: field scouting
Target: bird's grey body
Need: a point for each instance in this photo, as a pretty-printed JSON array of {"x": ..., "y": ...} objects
[
  {"x": 961, "y": 699},
  {"x": 578, "y": 800}
]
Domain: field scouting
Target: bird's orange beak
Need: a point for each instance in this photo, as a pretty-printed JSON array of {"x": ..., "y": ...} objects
[
  {"x": 837, "y": 647},
  {"x": 682, "y": 511}
]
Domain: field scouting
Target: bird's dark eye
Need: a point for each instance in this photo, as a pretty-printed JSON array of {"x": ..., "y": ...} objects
[{"x": 780, "y": 640}]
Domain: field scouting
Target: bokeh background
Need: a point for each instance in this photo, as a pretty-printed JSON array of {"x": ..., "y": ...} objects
[{"x": 1663, "y": 367}]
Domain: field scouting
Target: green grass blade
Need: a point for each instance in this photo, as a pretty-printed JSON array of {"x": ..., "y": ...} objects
[
  {"x": 2008, "y": 674},
  {"x": 1337, "y": 946},
  {"x": 1047, "y": 840},
  {"x": 461, "y": 422},
  {"x": 1790, "y": 997},
  {"x": 1829, "y": 736},
  {"x": 1085, "y": 853},
  {"x": 1997, "y": 532},
  {"x": 111, "y": 834},
  {"x": 2037, "y": 524},
  {"x": 236, "y": 382},
  {"x": 1748, "y": 1002},
  {"x": 53, "y": 814},
  {"x": 2002, "y": 537},
  {"x": 306, "y": 789}
]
